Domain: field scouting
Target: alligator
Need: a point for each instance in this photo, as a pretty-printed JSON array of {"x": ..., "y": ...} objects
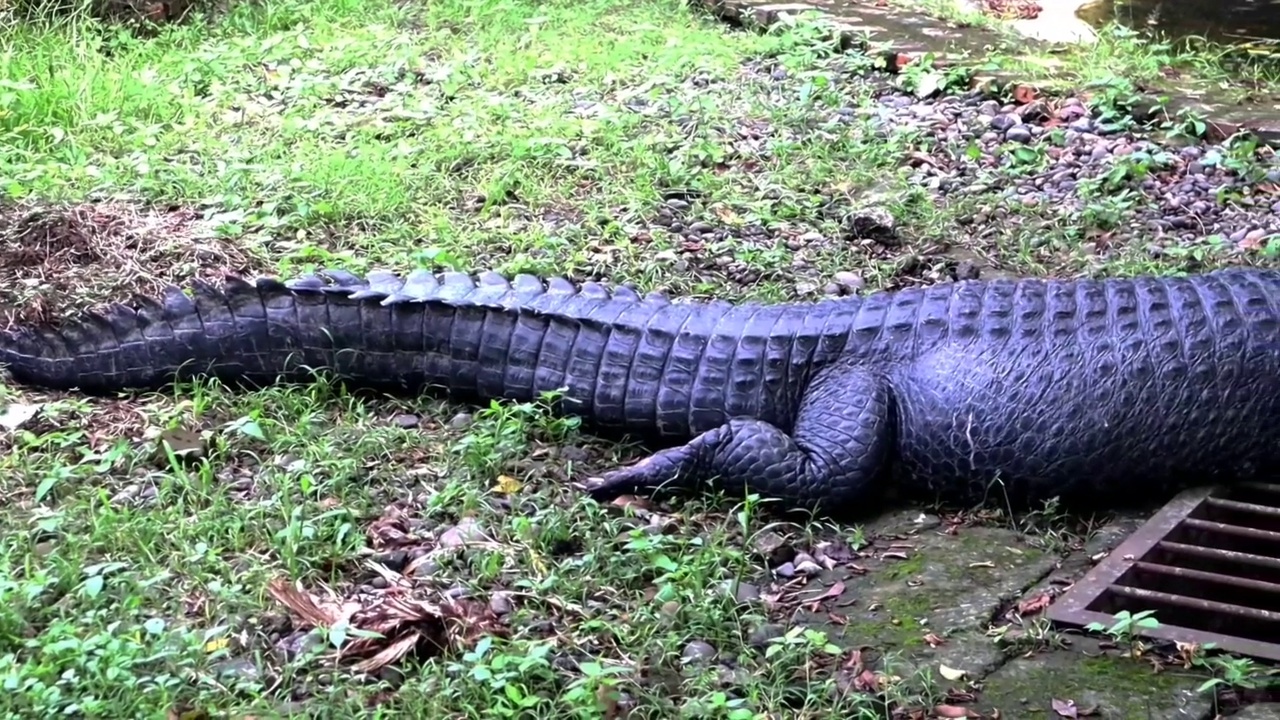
[{"x": 1030, "y": 389}]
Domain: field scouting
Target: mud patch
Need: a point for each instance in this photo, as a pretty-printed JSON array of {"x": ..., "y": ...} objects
[{"x": 57, "y": 260}]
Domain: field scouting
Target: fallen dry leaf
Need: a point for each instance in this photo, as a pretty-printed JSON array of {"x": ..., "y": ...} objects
[
  {"x": 390, "y": 654},
  {"x": 854, "y": 661},
  {"x": 507, "y": 485},
  {"x": 726, "y": 215},
  {"x": 391, "y": 529},
  {"x": 393, "y": 578},
  {"x": 1024, "y": 94},
  {"x": 1031, "y": 606},
  {"x": 901, "y": 60},
  {"x": 17, "y": 414},
  {"x": 1251, "y": 243},
  {"x": 309, "y": 609},
  {"x": 868, "y": 681},
  {"x": 919, "y": 158},
  {"x": 950, "y": 673},
  {"x": 1065, "y": 708},
  {"x": 834, "y": 591},
  {"x": 951, "y": 711},
  {"x": 1188, "y": 652},
  {"x": 641, "y": 506},
  {"x": 955, "y": 697}
]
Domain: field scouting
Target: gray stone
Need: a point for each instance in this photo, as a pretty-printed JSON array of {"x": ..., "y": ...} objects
[
  {"x": 850, "y": 281},
  {"x": 742, "y": 592},
  {"x": 406, "y": 421},
  {"x": 467, "y": 531},
  {"x": 1019, "y": 134},
  {"x": 1035, "y": 110},
  {"x": 761, "y": 636},
  {"x": 236, "y": 670},
  {"x": 1005, "y": 121},
  {"x": 871, "y": 222},
  {"x": 698, "y": 652},
  {"x": 500, "y": 603}
]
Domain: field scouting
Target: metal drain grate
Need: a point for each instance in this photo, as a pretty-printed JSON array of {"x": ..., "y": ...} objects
[{"x": 1208, "y": 564}]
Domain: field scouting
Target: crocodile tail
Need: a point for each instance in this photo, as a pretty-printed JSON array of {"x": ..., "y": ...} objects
[{"x": 380, "y": 331}]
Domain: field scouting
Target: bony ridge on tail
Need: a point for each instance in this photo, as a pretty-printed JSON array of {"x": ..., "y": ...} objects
[{"x": 1086, "y": 389}]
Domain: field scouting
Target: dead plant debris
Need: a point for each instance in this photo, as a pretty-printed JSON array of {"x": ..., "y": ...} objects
[
  {"x": 389, "y": 626},
  {"x": 57, "y": 259}
]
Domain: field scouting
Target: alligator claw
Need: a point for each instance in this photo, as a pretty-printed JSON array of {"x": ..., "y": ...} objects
[{"x": 603, "y": 488}]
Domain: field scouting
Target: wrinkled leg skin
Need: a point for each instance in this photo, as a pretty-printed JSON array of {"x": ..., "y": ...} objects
[{"x": 841, "y": 440}]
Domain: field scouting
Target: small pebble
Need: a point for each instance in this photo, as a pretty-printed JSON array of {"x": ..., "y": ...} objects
[
  {"x": 500, "y": 604},
  {"x": 406, "y": 421},
  {"x": 1019, "y": 134},
  {"x": 698, "y": 652},
  {"x": 1004, "y": 121},
  {"x": 849, "y": 281},
  {"x": 760, "y": 637},
  {"x": 1081, "y": 125}
]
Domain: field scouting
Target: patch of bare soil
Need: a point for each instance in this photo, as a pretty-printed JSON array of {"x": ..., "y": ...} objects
[{"x": 58, "y": 260}]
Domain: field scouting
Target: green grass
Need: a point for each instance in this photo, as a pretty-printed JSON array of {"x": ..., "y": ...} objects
[{"x": 508, "y": 134}]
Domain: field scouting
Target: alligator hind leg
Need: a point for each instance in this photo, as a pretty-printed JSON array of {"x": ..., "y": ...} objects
[{"x": 842, "y": 438}]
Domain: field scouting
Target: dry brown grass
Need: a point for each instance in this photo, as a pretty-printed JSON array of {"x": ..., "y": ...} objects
[
  {"x": 144, "y": 17},
  {"x": 58, "y": 260}
]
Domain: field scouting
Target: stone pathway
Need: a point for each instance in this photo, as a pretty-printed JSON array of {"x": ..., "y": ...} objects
[
  {"x": 917, "y": 34},
  {"x": 930, "y": 593}
]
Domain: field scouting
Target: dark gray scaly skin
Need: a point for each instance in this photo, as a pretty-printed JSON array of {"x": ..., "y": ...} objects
[{"x": 1018, "y": 390}]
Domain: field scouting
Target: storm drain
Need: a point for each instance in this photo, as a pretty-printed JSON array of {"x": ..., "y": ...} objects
[{"x": 1207, "y": 564}]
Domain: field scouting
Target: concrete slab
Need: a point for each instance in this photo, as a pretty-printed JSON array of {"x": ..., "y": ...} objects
[
  {"x": 1114, "y": 688},
  {"x": 925, "y": 599}
]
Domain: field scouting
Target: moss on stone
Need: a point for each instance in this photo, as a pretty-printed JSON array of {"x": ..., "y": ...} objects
[
  {"x": 906, "y": 568},
  {"x": 1002, "y": 556},
  {"x": 898, "y": 623},
  {"x": 1120, "y": 687}
]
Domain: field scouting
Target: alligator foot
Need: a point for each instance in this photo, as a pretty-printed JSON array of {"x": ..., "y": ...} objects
[{"x": 841, "y": 440}]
